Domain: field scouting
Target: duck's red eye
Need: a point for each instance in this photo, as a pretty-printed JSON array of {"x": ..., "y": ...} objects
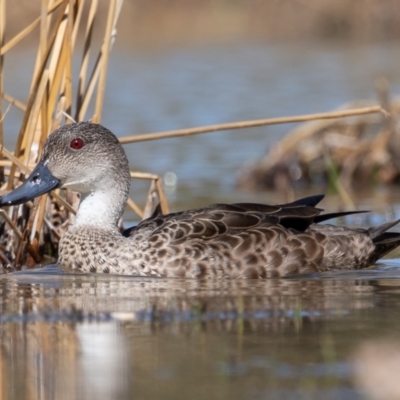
[{"x": 76, "y": 144}]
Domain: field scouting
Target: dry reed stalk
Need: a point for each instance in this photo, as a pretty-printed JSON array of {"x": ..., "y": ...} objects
[
  {"x": 59, "y": 114},
  {"x": 251, "y": 124},
  {"x": 34, "y": 119},
  {"x": 78, "y": 17},
  {"x": 35, "y": 230},
  {"x": 45, "y": 21},
  {"x": 101, "y": 62},
  {"x": 162, "y": 197},
  {"x": 134, "y": 207},
  {"x": 2, "y": 31},
  {"x": 14, "y": 102},
  {"x": 58, "y": 61},
  {"x": 14, "y": 160},
  {"x": 44, "y": 27},
  {"x": 5, "y": 261},
  {"x": 143, "y": 175},
  {"x": 24, "y": 242},
  {"x": 155, "y": 196},
  {"x": 7, "y": 163},
  {"x": 44, "y": 123},
  {"x": 156, "y": 187},
  {"x": 68, "y": 45},
  {"x": 39, "y": 217},
  {"x": 12, "y": 224},
  {"x": 151, "y": 200},
  {"x": 105, "y": 51},
  {"x": 85, "y": 60}
]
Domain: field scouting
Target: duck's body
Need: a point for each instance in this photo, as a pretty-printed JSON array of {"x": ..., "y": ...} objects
[{"x": 219, "y": 241}]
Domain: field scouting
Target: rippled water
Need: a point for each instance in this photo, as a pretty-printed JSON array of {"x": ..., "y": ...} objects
[
  {"x": 75, "y": 337},
  {"x": 315, "y": 337}
]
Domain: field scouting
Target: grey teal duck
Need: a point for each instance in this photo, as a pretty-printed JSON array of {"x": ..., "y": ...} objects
[{"x": 219, "y": 241}]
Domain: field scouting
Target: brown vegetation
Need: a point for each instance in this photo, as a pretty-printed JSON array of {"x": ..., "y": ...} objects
[
  {"x": 346, "y": 153},
  {"x": 173, "y": 22}
]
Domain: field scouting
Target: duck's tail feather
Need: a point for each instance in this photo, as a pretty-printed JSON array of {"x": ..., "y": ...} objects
[
  {"x": 384, "y": 241},
  {"x": 377, "y": 231},
  {"x": 326, "y": 217}
]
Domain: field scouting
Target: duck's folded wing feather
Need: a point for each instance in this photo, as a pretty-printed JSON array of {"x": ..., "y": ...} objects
[
  {"x": 219, "y": 219},
  {"x": 209, "y": 223}
]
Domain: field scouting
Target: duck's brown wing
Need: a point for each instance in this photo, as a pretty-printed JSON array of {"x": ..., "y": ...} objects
[
  {"x": 254, "y": 240},
  {"x": 219, "y": 219},
  {"x": 310, "y": 201},
  {"x": 297, "y": 215}
]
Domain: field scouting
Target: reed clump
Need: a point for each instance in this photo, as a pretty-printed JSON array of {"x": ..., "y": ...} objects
[
  {"x": 343, "y": 154},
  {"x": 29, "y": 233}
]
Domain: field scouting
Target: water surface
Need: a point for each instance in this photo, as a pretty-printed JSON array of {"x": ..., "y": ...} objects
[{"x": 77, "y": 336}]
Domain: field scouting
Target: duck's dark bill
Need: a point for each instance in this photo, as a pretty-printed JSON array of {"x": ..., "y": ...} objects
[{"x": 39, "y": 182}]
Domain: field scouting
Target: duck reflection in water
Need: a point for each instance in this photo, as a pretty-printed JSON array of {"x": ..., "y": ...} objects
[{"x": 103, "y": 335}]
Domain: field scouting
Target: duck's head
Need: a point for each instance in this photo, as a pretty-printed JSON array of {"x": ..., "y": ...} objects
[{"x": 83, "y": 157}]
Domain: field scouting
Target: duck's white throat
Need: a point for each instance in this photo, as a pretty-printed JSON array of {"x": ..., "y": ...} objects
[{"x": 100, "y": 208}]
